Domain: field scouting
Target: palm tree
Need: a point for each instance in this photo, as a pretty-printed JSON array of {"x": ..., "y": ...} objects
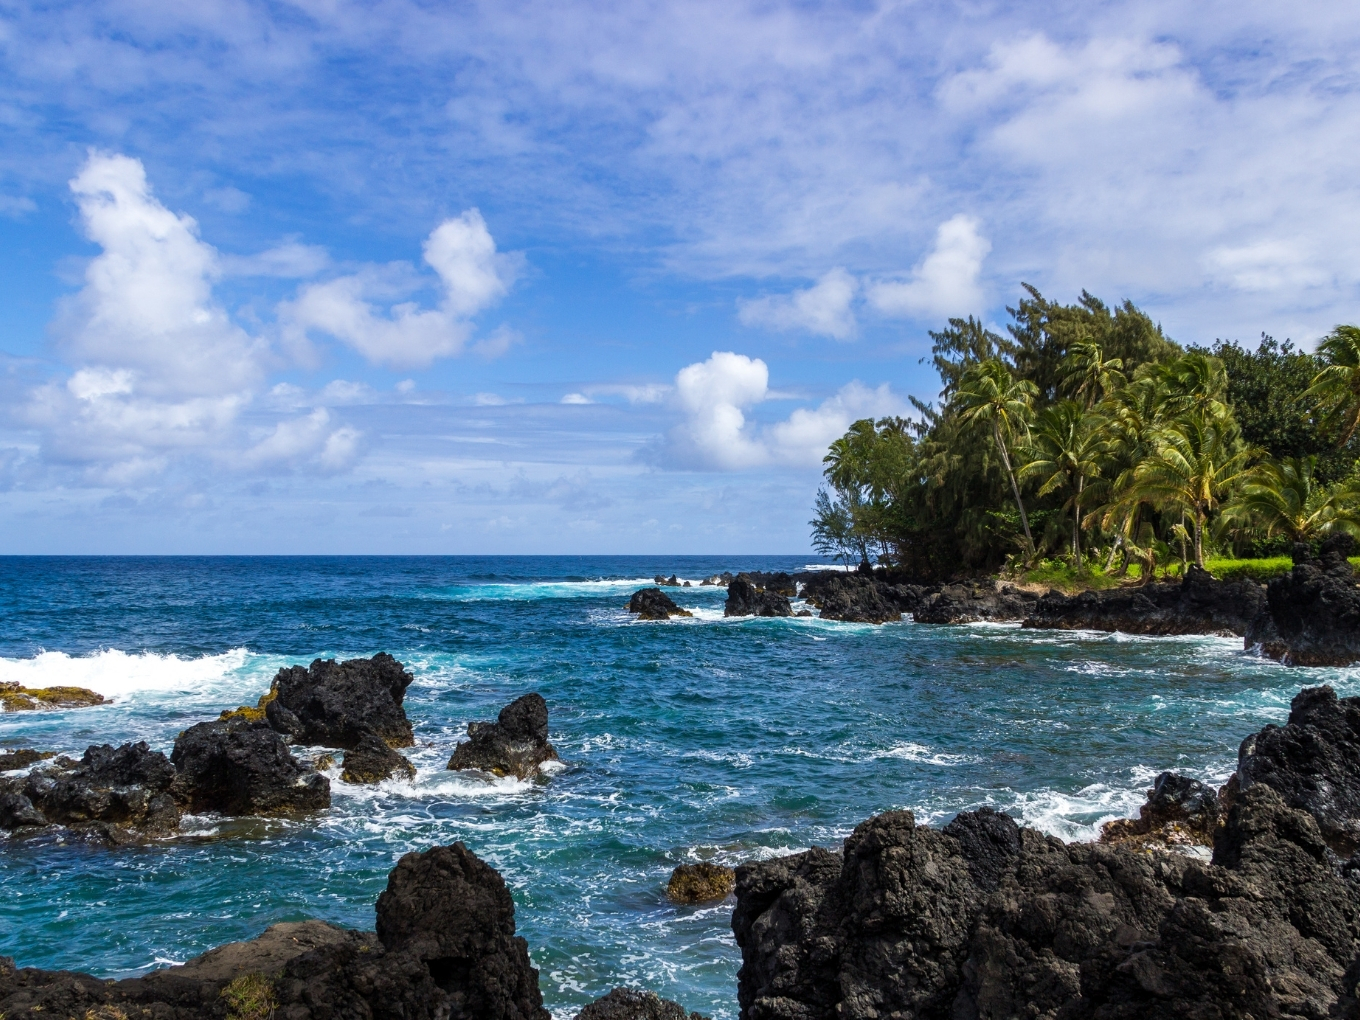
[
  {"x": 1198, "y": 462},
  {"x": 1089, "y": 375},
  {"x": 1337, "y": 387},
  {"x": 1069, "y": 451},
  {"x": 988, "y": 393},
  {"x": 1285, "y": 497}
]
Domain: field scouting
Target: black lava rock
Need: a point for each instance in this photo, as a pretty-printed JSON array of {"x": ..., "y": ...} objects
[
  {"x": 633, "y": 1004},
  {"x": 745, "y": 599},
  {"x": 972, "y": 603},
  {"x": 654, "y": 604},
  {"x": 1179, "y": 810},
  {"x": 1312, "y": 615},
  {"x": 335, "y": 703},
  {"x": 516, "y": 744},
  {"x": 372, "y": 761},
  {"x": 235, "y": 767},
  {"x": 857, "y": 598}
]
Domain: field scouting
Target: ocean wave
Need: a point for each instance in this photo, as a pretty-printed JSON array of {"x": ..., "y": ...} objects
[{"x": 118, "y": 675}]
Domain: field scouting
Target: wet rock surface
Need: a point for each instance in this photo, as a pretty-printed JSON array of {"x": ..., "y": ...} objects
[
  {"x": 372, "y": 761},
  {"x": 236, "y": 767},
  {"x": 17, "y": 698},
  {"x": 855, "y": 598},
  {"x": 985, "y": 919},
  {"x": 700, "y": 883},
  {"x": 1180, "y": 811},
  {"x": 975, "y": 602},
  {"x": 1198, "y": 604},
  {"x": 777, "y": 581},
  {"x": 745, "y": 599},
  {"x": 445, "y": 948},
  {"x": 335, "y": 703},
  {"x": 516, "y": 744},
  {"x": 654, "y": 604},
  {"x": 1312, "y": 614},
  {"x": 22, "y": 758},
  {"x": 635, "y": 1004}
]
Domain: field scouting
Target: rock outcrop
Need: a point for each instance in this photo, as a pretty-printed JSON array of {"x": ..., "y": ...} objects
[
  {"x": 1312, "y": 614},
  {"x": 1180, "y": 811},
  {"x": 669, "y": 582},
  {"x": 372, "y": 761},
  {"x": 1198, "y": 604},
  {"x": 445, "y": 949},
  {"x": 1313, "y": 762},
  {"x": 856, "y": 598},
  {"x": 22, "y": 758},
  {"x": 516, "y": 744},
  {"x": 335, "y": 703},
  {"x": 115, "y": 793},
  {"x": 635, "y": 1004},
  {"x": 778, "y": 581},
  {"x": 718, "y": 580},
  {"x": 985, "y": 919},
  {"x": 236, "y": 767},
  {"x": 745, "y": 599},
  {"x": 654, "y": 604},
  {"x": 995, "y": 602},
  {"x": 700, "y": 883},
  {"x": 17, "y": 698}
]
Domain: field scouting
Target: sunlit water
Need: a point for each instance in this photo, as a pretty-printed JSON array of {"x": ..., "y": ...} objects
[{"x": 727, "y": 740}]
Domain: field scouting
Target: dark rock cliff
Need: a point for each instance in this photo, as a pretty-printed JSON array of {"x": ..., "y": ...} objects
[{"x": 1312, "y": 615}]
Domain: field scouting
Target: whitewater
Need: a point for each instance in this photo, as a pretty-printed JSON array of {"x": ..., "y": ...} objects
[{"x": 697, "y": 739}]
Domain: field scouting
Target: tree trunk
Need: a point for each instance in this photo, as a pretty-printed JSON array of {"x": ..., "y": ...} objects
[
  {"x": 1199, "y": 540},
  {"x": 1076, "y": 524},
  {"x": 1015, "y": 488}
]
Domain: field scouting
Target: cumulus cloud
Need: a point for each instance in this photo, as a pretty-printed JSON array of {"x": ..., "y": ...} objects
[
  {"x": 822, "y": 309},
  {"x": 714, "y": 396},
  {"x": 946, "y": 281},
  {"x": 359, "y": 309},
  {"x": 309, "y": 440}
]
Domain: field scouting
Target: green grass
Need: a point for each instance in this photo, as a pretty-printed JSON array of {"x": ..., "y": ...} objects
[
  {"x": 1061, "y": 574},
  {"x": 250, "y": 997}
]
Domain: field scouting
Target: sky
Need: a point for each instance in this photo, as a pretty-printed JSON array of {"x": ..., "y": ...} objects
[{"x": 512, "y": 277}]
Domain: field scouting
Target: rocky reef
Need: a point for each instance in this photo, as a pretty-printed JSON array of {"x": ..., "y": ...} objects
[
  {"x": 1312, "y": 614},
  {"x": 744, "y": 598},
  {"x": 700, "y": 883},
  {"x": 17, "y": 698},
  {"x": 445, "y": 947},
  {"x": 516, "y": 744},
  {"x": 1198, "y": 604},
  {"x": 334, "y": 704},
  {"x": 235, "y": 767},
  {"x": 372, "y": 761},
  {"x": 654, "y": 604},
  {"x": 855, "y": 598}
]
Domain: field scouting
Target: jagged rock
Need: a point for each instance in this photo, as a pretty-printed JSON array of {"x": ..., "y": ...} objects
[
  {"x": 372, "y": 761},
  {"x": 1198, "y": 604},
  {"x": 853, "y": 598},
  {"x": 516, "y": 744},
  {"x": 972, "y": 603},
  {"x": 1312, "y": 614},
  {"x": 634, "y": 1004},
  {"x": 445, "y": 950},
  {"x": 669, "y": 582},
  {"x": 718, "y": 580},
  {"x": 654, "y": 604},
  {"x": 745, "y": 599},
  {"x": 235, "y": 767},
  {"x": 981, "y": 921},
  {"x": 700, "y": 883},
  {"x": 1180, "y": 811},
  {"x": 335, "y": 703},
  {"x": 16, "y": 698},
  {"x": 779, "y": 582},
  {"x": 1313, "y": 761},
  {"x": 22, "y": 758},
  {"x": 116, "y": 793}
]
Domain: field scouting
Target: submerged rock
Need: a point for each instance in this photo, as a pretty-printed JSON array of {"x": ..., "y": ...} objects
[
  {"x": 235, "y": 767},
  {"x": 634, "y": 1004},
  {"x": 654, "y": 604},
  {"x": 985, "y": 919},
  {"x": 16, "y": 698},
  {"x": 700, "y": 883},
  {"x": 972, "y": 603},
  {"x": 335, "y": 703},
  {"x": 745, "y": 599},
  {"x": 516, "y": 744},
  {"x": 1198, "y": 604},
  {"x": 1179, "y": 812},
  {"x": 372, "y": 761},
  {"x": 1312, "y": 614},
  {"x": 445, "y": 949},
  {"x": 1313, "y": 761},
  {"x": 116, "y": 793}
]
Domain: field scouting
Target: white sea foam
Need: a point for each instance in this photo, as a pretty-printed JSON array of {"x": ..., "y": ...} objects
[{"x": 119, "y": 675}]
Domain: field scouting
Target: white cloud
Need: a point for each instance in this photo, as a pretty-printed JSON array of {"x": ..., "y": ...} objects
[
  {"x": 473, "y": 276},
  {"x": 946, "y": 281},
  {"x": 309, "y": 440},
  {"x": 289, "y": 260},
  {"x": 823, "y": 309},
  {"x": 576, "y": 398}
]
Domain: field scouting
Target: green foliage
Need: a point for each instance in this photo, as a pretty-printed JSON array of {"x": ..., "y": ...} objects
[
  {"x": 1337, "y": 387},
  {"x": 1257, "y": 570},
  {"x": 250, "y": 997}
]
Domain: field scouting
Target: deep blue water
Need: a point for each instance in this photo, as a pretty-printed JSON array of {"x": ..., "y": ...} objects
[{"x": 708, "y": 738}]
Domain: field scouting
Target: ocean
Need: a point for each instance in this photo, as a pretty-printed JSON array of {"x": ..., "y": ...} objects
[{"x": 704, "y": 739}]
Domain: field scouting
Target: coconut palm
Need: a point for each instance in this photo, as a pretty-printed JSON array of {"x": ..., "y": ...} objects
[
  {"x": 1337, "y": 387},
  {"x": 1088, "y": 375},
  {"x": 988, "y": 393},
  {"x": 1068, "y": 451},
  {"x": 1285, "y": 497},
  {"x": 1197, "y": 464}
]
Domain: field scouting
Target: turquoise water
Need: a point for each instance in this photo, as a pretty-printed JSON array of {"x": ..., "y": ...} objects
[{"x": 728, "y": 740}]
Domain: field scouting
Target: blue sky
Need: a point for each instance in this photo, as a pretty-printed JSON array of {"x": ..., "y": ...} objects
[{"x": 524, "y": 277}]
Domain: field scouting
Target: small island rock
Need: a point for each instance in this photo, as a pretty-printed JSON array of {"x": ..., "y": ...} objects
[
  {"x": 335, "y": 703},
  {"x": 654, "y": 604},
  {"x": 16, "y": 698},
  {"x": 700, "y": 883},
  {"x": 516, "y": 744},
  {"x": 745, "y": 599},
  {"x": 235, "y": 767},
  {"x": 372, "y": 761}
]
